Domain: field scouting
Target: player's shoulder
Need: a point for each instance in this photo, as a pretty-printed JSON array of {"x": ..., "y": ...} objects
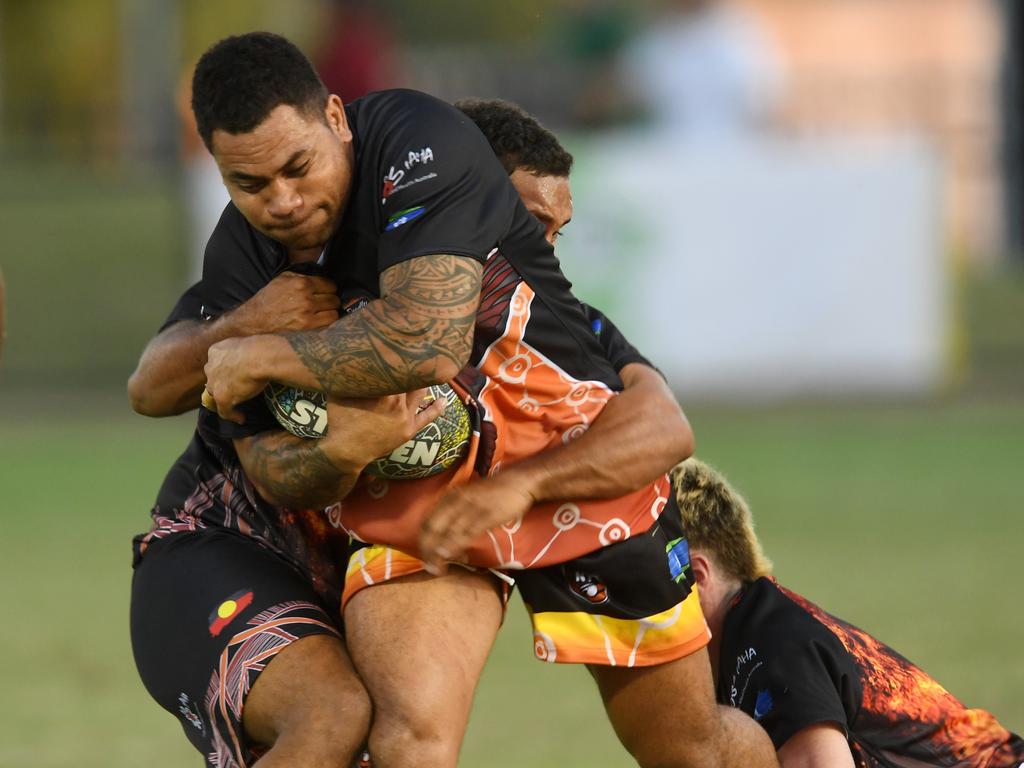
[
  {"x": 396, "y": 122},
  {"x": 402, "y": 110},
  {"x": 780, "y": 619}
]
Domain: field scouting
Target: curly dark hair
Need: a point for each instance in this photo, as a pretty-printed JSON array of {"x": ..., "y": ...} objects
[
  {"x": 517, "y": 138},
  {"x": 242, "y": 79}
]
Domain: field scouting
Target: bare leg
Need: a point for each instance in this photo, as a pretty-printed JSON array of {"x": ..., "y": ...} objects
[
  {"x": 420, "y": 643},
  {"x": 666, "y": 717},
  {"x": 310, "y": 706}
]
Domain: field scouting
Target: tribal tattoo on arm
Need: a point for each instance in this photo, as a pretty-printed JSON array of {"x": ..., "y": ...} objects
[
  {"x": 292, "y": 471},
  {"x": 420, "y": 332}
]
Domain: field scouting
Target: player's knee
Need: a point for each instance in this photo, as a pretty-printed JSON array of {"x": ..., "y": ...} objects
[
  {"x": 329, "y": 732},
  {"x": 693, "y": 741},
  {"x": 396, "y": 742}
]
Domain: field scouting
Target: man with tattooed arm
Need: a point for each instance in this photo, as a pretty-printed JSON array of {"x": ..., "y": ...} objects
[{"x": 463, "y": 275}]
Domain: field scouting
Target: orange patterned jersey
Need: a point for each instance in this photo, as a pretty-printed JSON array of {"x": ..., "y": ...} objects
[
  {"x": 789, "y": 665},
  {"x": 539, "y": 379}
]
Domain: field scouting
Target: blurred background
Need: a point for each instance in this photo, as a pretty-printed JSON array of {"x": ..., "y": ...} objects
[{"x": 808, "y": 213}]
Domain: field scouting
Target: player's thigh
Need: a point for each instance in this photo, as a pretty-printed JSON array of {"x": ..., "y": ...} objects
[
  {"x": 420, "y": 642},
  {"x": 666, "y": 709},
  {"x": 211, "y": 612}
]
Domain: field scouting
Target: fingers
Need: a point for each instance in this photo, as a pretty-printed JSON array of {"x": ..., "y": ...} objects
[
  {"x": 323, "y": 319},
  {"x": 428, "y": 414},
  {"x": 322, "y": 301},
  {"x": 448, "y": 532},
  {"x": 321, "y": 285},
  {"x": 207, "y": 399},
  {"x": 221, "y": 407}
]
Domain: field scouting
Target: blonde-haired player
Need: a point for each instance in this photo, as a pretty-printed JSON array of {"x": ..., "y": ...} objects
[{"x": 829, "y": 694}]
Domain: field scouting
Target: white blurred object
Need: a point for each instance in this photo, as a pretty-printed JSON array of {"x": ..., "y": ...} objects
[
  {"x": 205, "y": 198},
  {"x": 708, "y": 71},
  {"x": 766, "y": 269}
]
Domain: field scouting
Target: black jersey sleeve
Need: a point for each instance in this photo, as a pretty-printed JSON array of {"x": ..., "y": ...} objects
[
  {"x": 238, "y": 262},
  {"x": 442, "y": 188},
  {"x": 189, "y": 306},
  {"x": 616, "y": 346},
  {"x": 803, "y": 685}
]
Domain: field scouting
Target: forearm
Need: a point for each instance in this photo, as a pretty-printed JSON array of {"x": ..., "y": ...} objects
[
  {"x": 420, "y": 333},
  {"x": 169, "y": 377},
  {"x": 640, "y": 434},
  {"x": 294, "y": 472}
]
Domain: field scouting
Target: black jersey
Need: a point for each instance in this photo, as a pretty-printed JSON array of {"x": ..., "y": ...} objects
[
  {"x": 426, "y": 182},
  {"x": 618, "y": 349},
  {"x": 789, "y": 665}
]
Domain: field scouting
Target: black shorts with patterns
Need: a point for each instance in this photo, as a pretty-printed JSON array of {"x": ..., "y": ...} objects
[
  {"x": 631, "y": 603},
  {"x": 209, "y": 610}
]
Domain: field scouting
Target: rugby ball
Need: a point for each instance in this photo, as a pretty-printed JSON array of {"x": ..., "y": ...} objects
[
  {"x": 436, "y": 447},
  {"x": 302, "y": 412},
  {"x": 440, "y": 445}
]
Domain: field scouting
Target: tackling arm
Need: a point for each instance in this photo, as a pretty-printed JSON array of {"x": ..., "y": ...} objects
[
  {"x": 169, "y": 377},
  {"x": 638, "y": 436},
  {"x": 292, "y": 471},
  {"x": 420, "y": 332},
  {"x": 817, "y": 746}
]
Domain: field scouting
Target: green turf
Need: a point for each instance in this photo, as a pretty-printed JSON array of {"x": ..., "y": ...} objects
[{"x": 905, "y": 520}]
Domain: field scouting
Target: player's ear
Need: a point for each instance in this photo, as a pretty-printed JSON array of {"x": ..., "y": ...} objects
[
  {"x": 336, "y": 118},
  {"x": 701, "y": 568}
]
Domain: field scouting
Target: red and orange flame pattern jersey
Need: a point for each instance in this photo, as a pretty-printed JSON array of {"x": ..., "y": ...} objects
[{"x": 789, "y": 665}]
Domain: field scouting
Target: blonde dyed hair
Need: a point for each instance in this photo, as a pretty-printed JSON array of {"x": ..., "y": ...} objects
[{"x": 717, "y": 520}]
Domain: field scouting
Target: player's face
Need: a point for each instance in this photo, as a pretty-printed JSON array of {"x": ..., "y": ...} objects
[
  {"x": 549, "y": 198},
  {"x": 290, "y": 176}
]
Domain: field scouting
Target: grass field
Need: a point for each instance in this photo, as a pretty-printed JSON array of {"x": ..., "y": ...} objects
[{"x": 905, "y": 520}]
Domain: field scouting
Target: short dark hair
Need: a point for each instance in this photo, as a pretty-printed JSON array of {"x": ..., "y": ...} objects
[
  {"x": 517, "y": 138},
  {"x": 242, "y": 79}
]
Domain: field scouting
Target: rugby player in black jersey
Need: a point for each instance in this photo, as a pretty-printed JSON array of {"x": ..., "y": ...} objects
[
  {"x": 829, "y": 694},
  {"x": 236, "y": 285},
  {"x": 168, "y": 378}
]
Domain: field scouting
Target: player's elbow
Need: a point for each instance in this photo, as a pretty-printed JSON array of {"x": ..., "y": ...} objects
[
  {"x": 680, "y": 442},
  {"x": 149, "y": 399},
  {"x": 139, "y": 395}
]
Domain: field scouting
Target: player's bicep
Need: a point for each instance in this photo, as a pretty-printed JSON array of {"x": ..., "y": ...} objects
[
  {"x": 822, "y": 745},
  {"x": 433, "y": 298}
]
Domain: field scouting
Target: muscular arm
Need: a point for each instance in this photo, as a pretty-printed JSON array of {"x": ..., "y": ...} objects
[
  {"x": 817, "y": 746},
  {"x": 169, "y": 378},
  {"x": 638, "y": 436},
  {"x": 420, "y": 332},
  {"x": 292, "y": 471}
]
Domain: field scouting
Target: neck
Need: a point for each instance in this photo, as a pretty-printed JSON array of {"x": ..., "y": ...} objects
[
  {"x": 305, "y": 254},
  {"x": 717, "y": 599}
]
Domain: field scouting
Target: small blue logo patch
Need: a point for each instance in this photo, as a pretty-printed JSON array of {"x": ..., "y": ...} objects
[
  {"x": 764, "y": 704},
  {"x": 404, "y": 217},
  {"x": 678, "y": 551},
  {"x": 596, "y": 326}
]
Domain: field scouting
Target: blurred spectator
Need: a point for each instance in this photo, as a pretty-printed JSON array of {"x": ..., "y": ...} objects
[
  {"x": 704, "y": 68},
  {"x": 593, "y": 33},
  {"x": 358, "y": 54},
  {"x": 202, "y": 187}
]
